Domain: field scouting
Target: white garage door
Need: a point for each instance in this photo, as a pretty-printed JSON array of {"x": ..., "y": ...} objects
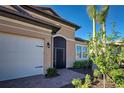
[{"x": 20, "y": 56}]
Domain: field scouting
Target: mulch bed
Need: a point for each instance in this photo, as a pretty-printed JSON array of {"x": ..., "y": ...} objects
[
  {"x": 83, "y": 71},
  {"x": 97, "y": 84}
]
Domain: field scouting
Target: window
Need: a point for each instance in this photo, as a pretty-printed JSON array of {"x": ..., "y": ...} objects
[
  {"x": 81, "y": 52},
  {"x": 78, "y": 52},
  {"x": 84, "y": 52}
]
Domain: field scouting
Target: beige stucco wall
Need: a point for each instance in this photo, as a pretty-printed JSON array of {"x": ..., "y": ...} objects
[
  {"x": 65, "y": 30},
  {"x": 24, "y": 29},
  {"x": 68, "y": 33},
  {"x": 70, "y": 53}
]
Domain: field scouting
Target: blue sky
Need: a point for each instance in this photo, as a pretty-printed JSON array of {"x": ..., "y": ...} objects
[{"x": 78, "y": 15}]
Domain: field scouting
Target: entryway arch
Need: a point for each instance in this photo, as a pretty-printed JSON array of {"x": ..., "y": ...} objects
[{"x": 59, "y": 52}]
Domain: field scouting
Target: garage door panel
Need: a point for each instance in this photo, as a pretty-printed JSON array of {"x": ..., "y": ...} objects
[{"x": 20, "y": 56}]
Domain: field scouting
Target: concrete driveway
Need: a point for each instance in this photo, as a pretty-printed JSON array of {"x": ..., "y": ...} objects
[{"x": 40, "y": 81}]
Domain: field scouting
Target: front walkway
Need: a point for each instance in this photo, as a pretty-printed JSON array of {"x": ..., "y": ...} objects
[{"x": 40, "y": 81}]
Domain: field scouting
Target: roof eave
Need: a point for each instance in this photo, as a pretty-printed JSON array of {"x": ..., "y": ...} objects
[
  {"x": 55, "y": 28},
  {"x": 81, "y": 40},
  {"x": 59, "y": 18}
]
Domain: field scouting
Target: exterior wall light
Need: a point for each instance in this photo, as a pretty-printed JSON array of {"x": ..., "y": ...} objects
[{"x": 48, "y": 44}]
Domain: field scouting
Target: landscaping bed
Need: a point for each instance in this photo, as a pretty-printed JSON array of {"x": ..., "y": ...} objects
[
  {"x": 83, "y": 67},
  {"x": 94, "y": 79},
  {"x": 97, "y": 84},
  {"x": 115, "y": 79},
  {"x": 83, "y": 70}
]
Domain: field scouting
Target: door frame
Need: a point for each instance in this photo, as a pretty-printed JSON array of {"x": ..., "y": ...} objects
[{"x": 55, "y": 49}]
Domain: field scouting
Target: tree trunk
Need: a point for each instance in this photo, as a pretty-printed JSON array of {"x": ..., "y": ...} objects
[
  {"x": 94, "y": 42},
  {"x": 94, "y": 29},
  {"x": 94, "y": 36},
  {"x": 104, "y": 36},
  {"x": 104, "y": 80},
  {"x": 104, "y": 48}
]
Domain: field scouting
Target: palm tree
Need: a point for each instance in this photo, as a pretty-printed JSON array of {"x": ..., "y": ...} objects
[
  {"x": 91, "y": 9},
  {"x": 101, "y": 18},
  {"x": 92, "y": 14}
]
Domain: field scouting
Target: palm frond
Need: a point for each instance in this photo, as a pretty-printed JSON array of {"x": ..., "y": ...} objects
[
  {"x": 91, "y": 9},
  {"x": 101, "y": 16}
]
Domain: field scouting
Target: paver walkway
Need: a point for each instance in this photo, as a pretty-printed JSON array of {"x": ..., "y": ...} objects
[{"x": 40, "y": 81}]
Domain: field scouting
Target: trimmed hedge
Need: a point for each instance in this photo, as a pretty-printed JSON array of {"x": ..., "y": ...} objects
[{"x": 82, "y": 64}]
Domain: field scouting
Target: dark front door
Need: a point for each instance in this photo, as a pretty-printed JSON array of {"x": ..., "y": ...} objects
[
  {"x": 59, "y": 59},
  {"x": 59, "y": 52}
]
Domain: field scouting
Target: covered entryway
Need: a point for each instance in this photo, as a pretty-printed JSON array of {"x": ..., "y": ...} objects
[
  {"x": 59, "y": 58},
  {"x": 20, "y": 56}
]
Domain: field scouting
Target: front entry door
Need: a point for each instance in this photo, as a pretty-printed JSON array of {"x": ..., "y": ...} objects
[
  {"x": 59, "y": 55},
  {"x": 59, "y": 58}
]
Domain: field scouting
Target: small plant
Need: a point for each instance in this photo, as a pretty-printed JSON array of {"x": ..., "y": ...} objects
[
  {"x": 88, "y": 79},
  {"x": 87, "y": 82},
  {"x": 77, "y": 64},
  {"x": 51, "y": 72},
  {"x": 77, "y": 83},
  {"x": 96, "y": 73},
  {"x": 94, "y": 79}
]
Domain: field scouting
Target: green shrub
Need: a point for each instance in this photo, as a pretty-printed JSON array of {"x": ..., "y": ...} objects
[
  {"x": 82, "y": 64},
  {"x": 96, "y": 73},
  {"x": 77, "y": 83},
  {"x": 87, "y": 80},
  {"x": 119, "y": 80},
  {"x": 116, "y": 72},
  {"x": 77, "y": 64},
  {"x": 87, "y": 64},
  {"x": 118, "y": 76},
  {"x": 84, "y": 86},
  {"x": 51, "y": 72}
]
